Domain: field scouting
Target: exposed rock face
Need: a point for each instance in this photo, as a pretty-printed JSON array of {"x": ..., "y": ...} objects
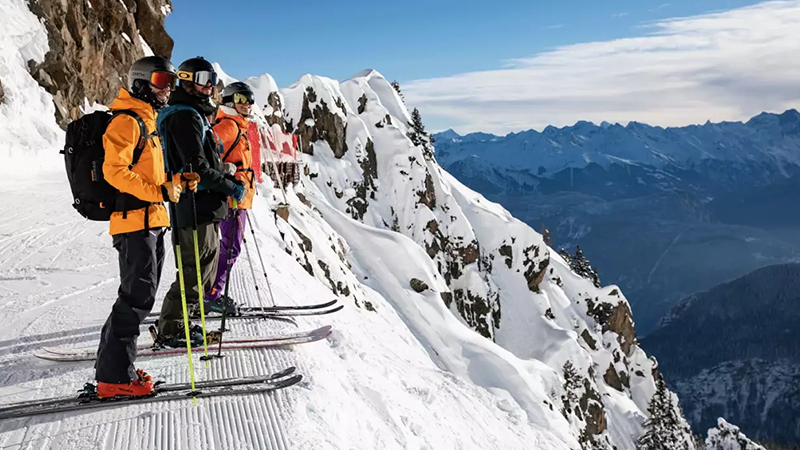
[
  {"x": 274, "y": 100},
  {"x": 92, "y": 48},
  {"x": 418, "y": 285},
  {"x": 2, "y": 94},
  {"x": 612, "y": 378},
  {"x": 616, "y": 318},
  {"x": 320, "y": 123}
]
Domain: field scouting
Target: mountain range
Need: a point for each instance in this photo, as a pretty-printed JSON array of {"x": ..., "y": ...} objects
[{"x": 662, "y": 212}]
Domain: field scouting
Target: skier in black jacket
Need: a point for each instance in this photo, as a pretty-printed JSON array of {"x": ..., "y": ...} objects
[{"x": 189, "y": 140}]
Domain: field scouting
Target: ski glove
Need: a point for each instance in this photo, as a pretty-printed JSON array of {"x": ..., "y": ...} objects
[
  {"x": 229, "y": 168},
  {"x": 190, "y": 180},
  {"x": 171, "y": 191},
  {"x": 238, "y": 193}
]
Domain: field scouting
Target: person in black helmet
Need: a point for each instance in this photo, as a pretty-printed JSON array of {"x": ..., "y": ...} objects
[
  {"x": 188, "y": 140},
  {"x": 138, "y": 224},
  {"x": 231, "y": 125}
]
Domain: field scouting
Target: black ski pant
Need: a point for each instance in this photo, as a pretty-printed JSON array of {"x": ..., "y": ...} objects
[
  {"x": 170, "y": 322},
  {"x": 141, "y": 258}
]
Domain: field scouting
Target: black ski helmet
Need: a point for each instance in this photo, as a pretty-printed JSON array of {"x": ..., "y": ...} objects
[
  {"x": 196, "y": 70},
  {"x": 141, "y": 74},
  {"x": 237, "y": 87}
]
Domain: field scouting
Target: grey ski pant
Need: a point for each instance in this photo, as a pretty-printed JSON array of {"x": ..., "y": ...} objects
[
  {"x": 141, "y": 258},
  {"x": 171, "y": 320}
]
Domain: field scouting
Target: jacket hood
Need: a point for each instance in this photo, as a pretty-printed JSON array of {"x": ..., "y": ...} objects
[
  {"x": 124, "y": 100},
  {"x": 228, "y": 112}
]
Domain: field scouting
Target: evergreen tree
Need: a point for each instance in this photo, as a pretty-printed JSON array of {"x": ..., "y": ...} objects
[
  {"x": 664, "y": 429},
  {"x": 572, "y": 383},
  {"x": 418, "y": 135},
  {"x": 396, "y": 87},
  {"x": 580, "y": 265}
]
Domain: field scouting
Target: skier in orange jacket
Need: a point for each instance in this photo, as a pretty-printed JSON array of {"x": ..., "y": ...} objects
[
  {"x": 231, "y": 125},
  {"x": 139, "y": 222}
]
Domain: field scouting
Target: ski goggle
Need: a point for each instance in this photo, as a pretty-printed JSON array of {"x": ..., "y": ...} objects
[
  {"x": 162, "y": 80},
  {"x": 243, "y": 99},
  {"x": 201, "y": 78}
]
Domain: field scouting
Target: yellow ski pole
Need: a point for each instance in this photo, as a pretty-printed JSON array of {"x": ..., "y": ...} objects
[
  {"x": 176, "y": 242},
  {"x": 200, "y": 289}
]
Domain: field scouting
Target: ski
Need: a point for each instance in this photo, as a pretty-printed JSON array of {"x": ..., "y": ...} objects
[
  {"x": 267, "y": 314},
  {"x": 288, "y": 307},
  {"x": 143, "y": 351},
  {"x": 87, "y": 399},
  {"x": 276, "y": 309}
]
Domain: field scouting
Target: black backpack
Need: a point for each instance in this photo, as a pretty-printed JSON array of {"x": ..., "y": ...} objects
[{"x": 83, "y": 152}]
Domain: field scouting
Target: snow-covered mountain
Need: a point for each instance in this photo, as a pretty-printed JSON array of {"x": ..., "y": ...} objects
[
  {"x": 462, "y": 328},
  {"x": 766, "y": 146},
  {"x": 661, "y": 212}
]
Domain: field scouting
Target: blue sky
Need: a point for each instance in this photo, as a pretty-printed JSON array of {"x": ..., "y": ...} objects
[
  {"x": 407, "y": 40},
  {"x": 418, "y": 41}
]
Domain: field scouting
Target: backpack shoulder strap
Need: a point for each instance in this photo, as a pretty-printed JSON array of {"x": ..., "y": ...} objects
[
  {"x": 162, "y": 130},
  {"x": 235, "y": 142},
  {"x": 143, "y": 136}
]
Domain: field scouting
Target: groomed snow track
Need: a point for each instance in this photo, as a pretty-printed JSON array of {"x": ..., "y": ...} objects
[{"x": 58, "y": 280}]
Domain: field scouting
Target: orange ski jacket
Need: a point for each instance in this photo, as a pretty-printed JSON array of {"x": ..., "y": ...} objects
[
  {"x": 228, "y": 127},
  {"x": 143, "y": 180}
]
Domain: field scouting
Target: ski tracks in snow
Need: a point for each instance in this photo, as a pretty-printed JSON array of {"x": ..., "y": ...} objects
[{"x": 58, "y": 281}]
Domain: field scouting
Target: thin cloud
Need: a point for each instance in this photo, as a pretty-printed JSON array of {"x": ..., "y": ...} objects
[
  {"x": 555, "y": 27},
  {"x": 660, "y": 7},
  {"x": 619, "y": 15},
  {"x": 721, "y": 66}
]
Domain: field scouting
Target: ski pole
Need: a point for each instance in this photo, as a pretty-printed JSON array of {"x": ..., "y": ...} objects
[
  {"x": 263, "y": 267},
  {"x": 200, "y": 289},
  {"x": 252, "y": 272},
  {"x": 228, "y": 280},
  {"x": 177, "y": 243}
]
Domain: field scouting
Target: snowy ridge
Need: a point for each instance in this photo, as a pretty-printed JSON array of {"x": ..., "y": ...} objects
[{"x": 509, "y": 282}]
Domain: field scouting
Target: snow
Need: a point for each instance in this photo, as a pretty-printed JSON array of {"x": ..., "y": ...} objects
[
  {"x": 124, "y": 5},
  {"x": 29, "y": 136},
  {"x": 127, "y": 38},
  {"x": 728, "y": 437},
  {"x": 166, "y": 10},
  {"x": 145, "y": 48}
]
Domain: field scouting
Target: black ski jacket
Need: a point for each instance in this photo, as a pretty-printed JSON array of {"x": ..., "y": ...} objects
[{"x": 184, "y": 139}]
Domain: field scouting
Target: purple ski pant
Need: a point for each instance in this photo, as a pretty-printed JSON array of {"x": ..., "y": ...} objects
[{"x": 227, "y": 248}]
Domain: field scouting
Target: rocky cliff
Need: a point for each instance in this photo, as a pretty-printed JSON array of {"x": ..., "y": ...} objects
[{"x": 92, "y": 45}]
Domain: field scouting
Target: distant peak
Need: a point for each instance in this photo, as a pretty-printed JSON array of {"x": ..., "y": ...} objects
[
  {"x": 367, "y": 73},
  {"x": 446, "y": 134}
]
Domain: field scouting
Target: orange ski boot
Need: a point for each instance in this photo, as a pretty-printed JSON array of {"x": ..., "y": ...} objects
[{"x": 142, "y": 387}]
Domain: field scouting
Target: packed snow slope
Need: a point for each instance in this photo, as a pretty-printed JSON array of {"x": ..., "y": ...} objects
[{"x": 459, "y": 320}]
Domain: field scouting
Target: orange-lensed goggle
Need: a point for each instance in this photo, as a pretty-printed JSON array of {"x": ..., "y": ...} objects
[{"x": 162, "y": 80}]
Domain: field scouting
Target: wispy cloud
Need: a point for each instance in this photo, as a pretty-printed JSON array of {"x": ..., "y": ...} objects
[
  {"x": 618, "y": 15},
  {"x": 722, "y": 66},
  {"x": 660, "y": 7},
  {"x": 555, "y": 27}
]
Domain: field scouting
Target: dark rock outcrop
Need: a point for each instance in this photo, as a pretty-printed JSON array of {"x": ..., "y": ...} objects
[
  {"x": 327, "y": 125},
  {"x": 616, "y": 318},
  {"x": 418, "y": 285},
  {"x": 92, "y": 48}
]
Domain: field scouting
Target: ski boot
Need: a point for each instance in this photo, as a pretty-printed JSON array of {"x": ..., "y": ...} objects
[
  {"x": 179, "y": 340},
  {"x": 141, "y": 387},
  {"x": 215, "y": 306}
]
